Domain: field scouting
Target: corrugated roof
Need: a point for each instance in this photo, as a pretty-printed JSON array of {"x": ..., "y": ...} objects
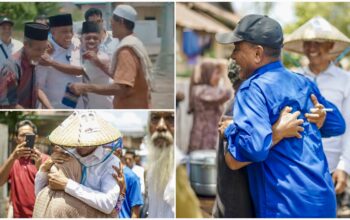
[
  {"x": 188, "y": 18},
  {"x": 229, "y": 18}
]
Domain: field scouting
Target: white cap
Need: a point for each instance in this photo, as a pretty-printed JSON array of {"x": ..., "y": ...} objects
[{"x": 126, "y": 11}]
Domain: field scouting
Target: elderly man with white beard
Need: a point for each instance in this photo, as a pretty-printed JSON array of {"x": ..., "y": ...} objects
[{"x": 160, "y": 177}]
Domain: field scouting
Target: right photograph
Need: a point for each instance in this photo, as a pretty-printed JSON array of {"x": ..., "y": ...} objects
[{"x": 262, "y": 110}]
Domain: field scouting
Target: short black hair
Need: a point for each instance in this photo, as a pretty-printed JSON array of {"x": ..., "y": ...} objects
[
  {"x": 23, "y": 123},
  {"x": 272, "y": 52},
  {"x": 130, "y": 151},
  {"x": 128, "y": 24},
  {"x": 91, "y": 12}
]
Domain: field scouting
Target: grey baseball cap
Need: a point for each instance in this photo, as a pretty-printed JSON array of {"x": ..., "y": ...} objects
[{"x": 256, "y": 29}]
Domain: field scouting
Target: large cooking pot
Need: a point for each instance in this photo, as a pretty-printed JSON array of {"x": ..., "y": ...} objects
[{"x": 203, "y": 172}]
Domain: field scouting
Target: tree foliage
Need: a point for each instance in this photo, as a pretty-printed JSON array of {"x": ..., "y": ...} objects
[
  {"x": 22, "y": 12},
  {"x": 334, "y": 12}
]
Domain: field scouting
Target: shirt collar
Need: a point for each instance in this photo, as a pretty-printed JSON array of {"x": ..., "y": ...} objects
[
  {"x": 11, "y": 42},
  {"x": 57, "y": 47},
  {"x": 261, "y": 70},
  {"x": 331, "y": 71}
]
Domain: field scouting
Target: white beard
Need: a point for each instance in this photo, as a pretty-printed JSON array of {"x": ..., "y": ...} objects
[{"x": 161, "y": 167}]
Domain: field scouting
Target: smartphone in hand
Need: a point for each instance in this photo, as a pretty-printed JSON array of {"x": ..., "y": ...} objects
[{"x": 30, "y": 139}]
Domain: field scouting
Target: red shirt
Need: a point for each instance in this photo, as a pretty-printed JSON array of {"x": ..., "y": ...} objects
[{"x": 22, "y": 176}]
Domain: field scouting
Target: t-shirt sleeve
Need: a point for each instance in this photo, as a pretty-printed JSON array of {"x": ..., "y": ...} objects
[
  {"x": 134, "y": 192},
  {"x": 250, "y": 136},
  {"x": 126, "y": 70}
]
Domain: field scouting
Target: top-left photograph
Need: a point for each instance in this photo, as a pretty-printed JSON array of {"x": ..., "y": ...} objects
[{"x": 82, "y": 55}]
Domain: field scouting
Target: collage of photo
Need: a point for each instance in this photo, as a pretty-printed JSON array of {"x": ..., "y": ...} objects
[{"x": 174, "y": 109}]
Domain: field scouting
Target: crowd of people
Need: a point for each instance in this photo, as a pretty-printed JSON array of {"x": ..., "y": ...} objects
[
  {"x": 56, "y": 68},
  {"x": 87, "y": 175},
  {"x": 284, "y": 147}
]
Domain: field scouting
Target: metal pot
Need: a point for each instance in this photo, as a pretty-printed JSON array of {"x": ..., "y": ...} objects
[{"x": 203, "y": 172}]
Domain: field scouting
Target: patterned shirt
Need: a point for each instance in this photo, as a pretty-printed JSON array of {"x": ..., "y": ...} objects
[{"x": 17, "y": 82}]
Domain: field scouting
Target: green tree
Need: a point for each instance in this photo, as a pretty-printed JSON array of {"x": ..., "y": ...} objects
[
  {"x": 334, "y": 12},
  {"x": 22, "y": 12}
]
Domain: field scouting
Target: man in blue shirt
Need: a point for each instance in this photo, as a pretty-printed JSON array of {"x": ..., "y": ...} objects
[
  {"x": 133, "y": 197},
  {"x": 287, "y": 177}
]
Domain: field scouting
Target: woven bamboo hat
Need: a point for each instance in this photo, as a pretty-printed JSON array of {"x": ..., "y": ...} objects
[
  {"x": 84, "y": 129},
  {"x": 316, "y": 29}
]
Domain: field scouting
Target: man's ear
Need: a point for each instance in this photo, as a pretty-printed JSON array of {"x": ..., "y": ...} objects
[{"x": 259, "y": 53}]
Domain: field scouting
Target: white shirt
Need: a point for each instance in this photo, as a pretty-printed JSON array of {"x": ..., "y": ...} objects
[
  {"x": 140, "y": 172},
  {"x": 334, "y": 85},
  {"x": 161, "y": 207},
  {"x": 11, "y": 48},
  {"x": 109, "y": 44},
  {"x": 100, "y": 189},
  {"x": 52, "y": 81},
  {"x": 97, "y": 76}
]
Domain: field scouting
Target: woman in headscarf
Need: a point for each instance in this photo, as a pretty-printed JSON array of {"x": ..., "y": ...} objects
[{"x": 207, "y": 100}]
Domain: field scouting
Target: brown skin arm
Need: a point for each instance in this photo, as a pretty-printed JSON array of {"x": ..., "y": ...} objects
[
  {"x": 135, "y": 212},
  {"x": 20, "y": 151},
  {"x": 44, "y": 100},
  {"x": 115, "y": 89},
  {"x": 46, "y": 60}
]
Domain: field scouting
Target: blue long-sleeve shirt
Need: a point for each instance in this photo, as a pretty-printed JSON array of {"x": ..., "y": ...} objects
[{"x": 292, "y": 178}]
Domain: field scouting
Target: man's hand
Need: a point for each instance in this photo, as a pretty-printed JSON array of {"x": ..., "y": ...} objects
[
  {"x": 21, "y": 151},
  {"x": 45, "y": 167},
  {"x": 59, "y": 156},
  {"x": 91, "y": 55},
  {"x": 45, "y": 60},
  {"x": 223, "y": 124},
  {"x": 50, "y": 49},
  {"x": 317, "y": 115},
  {"x": 119, "y": 177},
  {"x": 78, "y": 88},
  {"x": 340, "y": 180},
  {"x": 288, "y": 125},
  {"x": 57, "y": 181},
  {"x": 36, "y": 156}
]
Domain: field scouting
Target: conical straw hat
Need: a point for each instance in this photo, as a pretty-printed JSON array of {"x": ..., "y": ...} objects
[
  {"x": 84, "y": 129},
  {"x": 316, "y": 29}
]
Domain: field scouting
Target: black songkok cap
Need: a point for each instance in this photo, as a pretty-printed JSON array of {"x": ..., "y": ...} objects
[
  {"x": 61, "y": 20},
  {"x": 36, "y": 31},
  {"x": 90, "y": 27}
]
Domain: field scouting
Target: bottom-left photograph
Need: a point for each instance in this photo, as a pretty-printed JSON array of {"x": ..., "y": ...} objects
[{"x": 87, "y": 164}]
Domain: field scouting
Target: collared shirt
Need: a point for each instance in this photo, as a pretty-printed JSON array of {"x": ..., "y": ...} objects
[
  {"x": 17, "y": 82},
  {"x": 22, "y": 177},
  {"x": 100, "y": 190},
  {"x": 97, "y": 76},
  {"x": 334, "y": 84},
  {"x": 54, "y": 82},
  {"x": 133, "y": 195},
  {"x": 292, "y": 178},
  {"x": 109, "y": 44},
  {"x": 9, "y": 49}
]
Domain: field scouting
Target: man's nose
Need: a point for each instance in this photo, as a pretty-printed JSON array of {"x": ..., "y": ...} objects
[{"x": 161, "y": 126}]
